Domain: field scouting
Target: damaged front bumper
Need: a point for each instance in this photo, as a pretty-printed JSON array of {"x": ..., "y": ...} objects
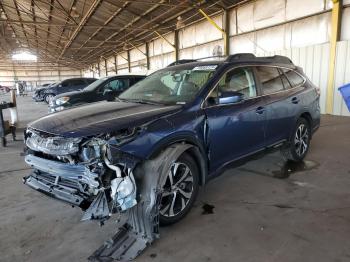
[{"x": 103, "y": 185}]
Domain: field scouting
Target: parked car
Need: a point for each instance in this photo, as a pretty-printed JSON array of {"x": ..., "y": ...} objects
[
  {"x": 72, "y": 84},
  {"x": 38, "y": 95},
  {"x": 146, "y": 154},
  {"x": 106, "y": 88},
  {"x": 4, "y": 89}
]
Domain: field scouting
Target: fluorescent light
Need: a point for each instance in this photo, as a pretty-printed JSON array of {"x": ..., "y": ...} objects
[{"x": 24, "y": 56}]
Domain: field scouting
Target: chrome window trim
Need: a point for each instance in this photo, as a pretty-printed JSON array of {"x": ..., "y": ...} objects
[{"x": 252, "y": 65}]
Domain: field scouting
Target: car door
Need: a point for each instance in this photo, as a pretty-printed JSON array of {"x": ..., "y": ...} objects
[
  {"x": 77, "y": 84},
  {"x": 237, "y": 129},
  {"x": 281, "y": 105}
]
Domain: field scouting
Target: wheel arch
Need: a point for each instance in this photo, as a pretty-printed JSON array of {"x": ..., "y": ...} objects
[{"x": 191, "y": 146}]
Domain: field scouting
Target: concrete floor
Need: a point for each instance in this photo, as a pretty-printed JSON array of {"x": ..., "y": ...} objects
[{"x": 257, "y": 217}]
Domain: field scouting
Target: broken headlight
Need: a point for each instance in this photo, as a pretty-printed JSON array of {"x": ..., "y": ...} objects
[{"x": 52, "y": 145}]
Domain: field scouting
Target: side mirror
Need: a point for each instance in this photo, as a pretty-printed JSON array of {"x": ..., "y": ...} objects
[
  {"x": 109, "y": 94},
  {"x": 230, "y": 98}
]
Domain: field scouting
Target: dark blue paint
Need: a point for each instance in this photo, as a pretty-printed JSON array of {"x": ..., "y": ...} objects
[{"x": 223, "y": 133}]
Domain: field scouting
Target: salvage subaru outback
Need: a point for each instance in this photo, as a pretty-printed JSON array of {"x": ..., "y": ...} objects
[{"x": 145, "y": 154}]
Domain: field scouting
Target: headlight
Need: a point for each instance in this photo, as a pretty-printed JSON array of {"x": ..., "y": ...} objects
[{"x": 62, "y": 100}]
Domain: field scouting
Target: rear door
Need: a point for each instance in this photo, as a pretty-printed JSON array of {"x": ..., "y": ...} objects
[
  {"x": 281, "y": 103},
  {"x": 77, "y": 84},
  {"x": 236, "y": 129}
]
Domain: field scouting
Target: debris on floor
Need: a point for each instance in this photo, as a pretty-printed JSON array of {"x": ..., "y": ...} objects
[{"x": 207, "y": 209}]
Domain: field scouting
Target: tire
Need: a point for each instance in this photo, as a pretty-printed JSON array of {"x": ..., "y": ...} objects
[
  {"x": 48, "y": 97},
  {"x": 185, "y": 193},
  {"x": 299, "y": 143}
]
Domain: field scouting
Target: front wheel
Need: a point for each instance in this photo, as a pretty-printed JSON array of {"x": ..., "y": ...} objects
[
  {"x": 179, "y": 190},
  {"x": 48, "y": 98},
  {"x": 299, "y": 143}
]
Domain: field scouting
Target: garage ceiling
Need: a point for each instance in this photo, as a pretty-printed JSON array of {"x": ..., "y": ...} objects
[{"x": 77, "y": 33}]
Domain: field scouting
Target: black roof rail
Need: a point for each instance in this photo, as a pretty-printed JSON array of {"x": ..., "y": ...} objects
[
  {"x": 182, "y": 61},
  {"x": 249, "y": 57}
]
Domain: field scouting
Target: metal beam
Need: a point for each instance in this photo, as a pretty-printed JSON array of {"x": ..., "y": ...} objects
[
  {"x": 225, "y": 34},
  {"x": 129, "y": 64},
  {"x": 81, "y": 24},
  {"x": 147, "y": 57},
  {"x": 335, "y": 33}
]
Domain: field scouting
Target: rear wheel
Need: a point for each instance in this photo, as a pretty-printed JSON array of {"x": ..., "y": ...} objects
[
  {"x": 299, "y": 143},
  {"x": 179, "y": 190}
]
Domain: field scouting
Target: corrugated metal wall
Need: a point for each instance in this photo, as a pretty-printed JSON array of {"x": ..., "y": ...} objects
[
  {"x": 293, "y": 28},
  {"x": 36, "y": 78}
]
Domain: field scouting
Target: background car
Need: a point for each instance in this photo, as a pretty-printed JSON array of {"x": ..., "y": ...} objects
[
  {"x": 38, "y": 95},
  {"x": 72, "y": 84},
  {"x": 4, "y": 89},
  {"x": 106, "y": 88}
]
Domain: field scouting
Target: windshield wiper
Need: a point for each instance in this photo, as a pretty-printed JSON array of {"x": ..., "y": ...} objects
[{"x": 140, "y": 101}]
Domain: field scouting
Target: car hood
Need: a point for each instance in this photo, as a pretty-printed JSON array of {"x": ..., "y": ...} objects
[{"x": 101, "y": 117}]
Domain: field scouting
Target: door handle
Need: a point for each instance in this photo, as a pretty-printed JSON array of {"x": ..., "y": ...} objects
[
  {"x": 295, "y": 100},
  {"x": 260, "y": 110}
]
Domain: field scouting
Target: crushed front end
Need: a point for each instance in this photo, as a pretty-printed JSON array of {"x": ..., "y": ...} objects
[{"x": 81, "y": 172}]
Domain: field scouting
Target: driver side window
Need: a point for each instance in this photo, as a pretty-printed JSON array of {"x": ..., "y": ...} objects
[{"x": 240, "y": 80}]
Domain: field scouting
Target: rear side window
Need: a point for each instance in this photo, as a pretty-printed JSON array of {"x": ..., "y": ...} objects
[
  {"x": 270, "y": 79},
  {"x": 77, "y": 82},
  {"x": 294, "y": 78},
  {"x": 90, "y": 81}
]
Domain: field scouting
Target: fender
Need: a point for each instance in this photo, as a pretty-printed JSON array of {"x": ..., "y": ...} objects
[{"x": 196, "y": 149}]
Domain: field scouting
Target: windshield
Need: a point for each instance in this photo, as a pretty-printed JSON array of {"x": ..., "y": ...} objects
[
  {"x": 95, "y": 84},
  {"x": 170, "y": 86}
]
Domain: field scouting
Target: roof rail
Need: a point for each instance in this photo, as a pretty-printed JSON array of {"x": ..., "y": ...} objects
[
  {"x": 182, "y": 61},
  {"x": 249, "y": 57}
]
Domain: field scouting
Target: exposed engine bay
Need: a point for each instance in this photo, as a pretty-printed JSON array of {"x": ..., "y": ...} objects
[
  {"x": 93, "y": 174},
  {"x": 80, "y": 172}
]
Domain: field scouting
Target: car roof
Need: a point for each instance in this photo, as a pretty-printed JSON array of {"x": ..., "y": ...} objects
[{"x": 238, "y": 59}]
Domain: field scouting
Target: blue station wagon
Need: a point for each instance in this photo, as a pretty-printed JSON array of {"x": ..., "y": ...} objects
[{"x": 145, "y": 154}]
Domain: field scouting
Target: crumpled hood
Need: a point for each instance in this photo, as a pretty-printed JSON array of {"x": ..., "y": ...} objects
[{"x": 99, "y": 118}]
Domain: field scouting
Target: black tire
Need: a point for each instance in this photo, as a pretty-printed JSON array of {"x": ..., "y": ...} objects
[
  {"x": 47, "y": 98},
  {"x": 184, "y": 160},
  {"x": 296, "y": 151}
]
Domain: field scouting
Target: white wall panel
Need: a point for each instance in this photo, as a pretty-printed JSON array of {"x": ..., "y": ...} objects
[
  {"x": 243, "y": 43},
  {"x": 160, "y": 46},
  {"x": 122, "y": 58},
  {"x": 309, "y": 31},
  {"x": 342, "y": 76},
  {"x": 268, "y": 12},
  {"x": 271, "y": 39},
  {"x": 232, "y": 19},
  {"x": 298, "y": 8},
  {"x": 200, "y": 33},
  {"x": 245, "y": 16},
  {"x": 136, "y": 54},
  {"x": 200, "y": 51},
  {"x": 345, "y": 30},
  {"x": 161, "y": 61}
]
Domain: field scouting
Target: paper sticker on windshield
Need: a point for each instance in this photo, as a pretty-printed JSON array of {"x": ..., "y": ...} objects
[{"x": 205, "y": 68}]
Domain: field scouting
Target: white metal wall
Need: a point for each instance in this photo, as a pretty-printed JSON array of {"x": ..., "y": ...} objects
[
  {"x": 36, "y": 78},
  {"x": 299, "y": 30}
]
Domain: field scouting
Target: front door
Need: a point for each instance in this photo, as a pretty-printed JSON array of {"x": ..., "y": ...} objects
[{"x": 237, "y": 129}]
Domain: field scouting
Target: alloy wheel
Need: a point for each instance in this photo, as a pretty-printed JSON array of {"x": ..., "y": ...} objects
[
  {"x": 177, "y": 190},
  {"x": 301, "y": 140}
]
